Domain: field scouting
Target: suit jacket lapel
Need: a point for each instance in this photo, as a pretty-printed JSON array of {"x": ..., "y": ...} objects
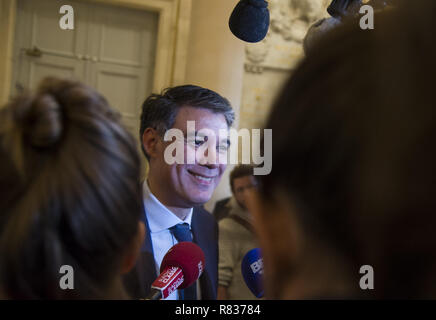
[
  {"x": 139, "y": 280},
  {"x": 150, "y": 274},
  {"x": 202, "y": 239}
]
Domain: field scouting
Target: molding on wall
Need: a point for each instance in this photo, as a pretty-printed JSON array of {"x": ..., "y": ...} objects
[{"x": 182, "y": 42}]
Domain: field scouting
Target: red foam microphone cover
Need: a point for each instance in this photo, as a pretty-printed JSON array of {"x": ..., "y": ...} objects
[{"x": 187, "y": 256}]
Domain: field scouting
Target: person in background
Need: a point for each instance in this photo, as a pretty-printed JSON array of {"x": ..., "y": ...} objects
[
  {"x": 173, "y": 194},
  {"x": 70, "y": 195},
  {"x": 353, "y": 183},
  {"x": 236, "y": 237}
]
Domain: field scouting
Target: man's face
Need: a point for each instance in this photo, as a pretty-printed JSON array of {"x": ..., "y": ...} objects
[
  {"x": 241, "y": 187},
  {"x": 189, "y": 185}
]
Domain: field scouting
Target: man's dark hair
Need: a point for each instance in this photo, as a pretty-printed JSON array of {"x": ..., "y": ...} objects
[
  {"x": 70, "y": 192},
  {"x": 159, "y": 111},
  {"x": 356, "y": 148},
  {"x": 241, "y": 170}
]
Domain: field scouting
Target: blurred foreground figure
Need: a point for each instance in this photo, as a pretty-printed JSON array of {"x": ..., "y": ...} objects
[
  {"x": 354, "y": 177},
  {"x": 70, "y": 196}
]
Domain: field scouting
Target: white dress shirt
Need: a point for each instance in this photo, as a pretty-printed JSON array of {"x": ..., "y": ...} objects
[{"x": 160, "y": 220}]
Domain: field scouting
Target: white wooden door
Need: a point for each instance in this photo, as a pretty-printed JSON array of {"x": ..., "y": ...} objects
[
  {"x": 111, "y": 49},
  {"x": 42, "y": 48},
  {"x": 121, "y": 47}
]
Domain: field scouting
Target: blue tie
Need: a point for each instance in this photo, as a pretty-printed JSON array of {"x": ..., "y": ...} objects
[{"x": 182, "y": 232}]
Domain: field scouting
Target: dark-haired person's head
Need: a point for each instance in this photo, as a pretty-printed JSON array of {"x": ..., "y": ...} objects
[
  {"x": 70, "y": 195},
  {"x": 187, "y": 184},
  {"x": 354, "y": 172},
  {"x": 242, "y": 181}
]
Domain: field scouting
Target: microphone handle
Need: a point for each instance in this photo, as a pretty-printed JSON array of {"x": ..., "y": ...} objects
[
  {"x": 154, "y": 294},
  {"x": 167, "y": 282}
]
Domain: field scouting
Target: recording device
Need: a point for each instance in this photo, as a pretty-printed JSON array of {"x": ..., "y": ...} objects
[
  {"x": 249, "y": 20},
  {"x": 339, "y": 8},
  {"x": 252, "y": 272},
  {"x": 181, "y": 266},
  {"x": 342, "y": 8}
]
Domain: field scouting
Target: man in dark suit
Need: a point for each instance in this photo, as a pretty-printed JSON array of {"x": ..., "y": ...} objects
[{"x": 184, "y": 133}]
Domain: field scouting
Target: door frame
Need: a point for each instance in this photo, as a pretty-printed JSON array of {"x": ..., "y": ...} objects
[{"x": 174, "y": 19}]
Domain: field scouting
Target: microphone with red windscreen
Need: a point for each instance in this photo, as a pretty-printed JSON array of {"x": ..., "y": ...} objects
[{"x": 181, "y": 266}]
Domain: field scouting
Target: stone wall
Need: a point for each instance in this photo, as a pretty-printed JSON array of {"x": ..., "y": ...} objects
[{"x": 270, "y": 62}]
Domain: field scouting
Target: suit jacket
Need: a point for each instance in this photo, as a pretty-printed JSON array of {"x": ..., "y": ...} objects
[{"x": 205, "y": 234}]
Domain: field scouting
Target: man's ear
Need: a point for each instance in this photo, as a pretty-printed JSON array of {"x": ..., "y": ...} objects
[
  {"x": 132, "y": 252},
  {"x": 150, "y": 139}
]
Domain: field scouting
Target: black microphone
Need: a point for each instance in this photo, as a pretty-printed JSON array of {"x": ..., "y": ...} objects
[
  {"x": 340, "y": 8},
  {"x": 250, "y": 20}
]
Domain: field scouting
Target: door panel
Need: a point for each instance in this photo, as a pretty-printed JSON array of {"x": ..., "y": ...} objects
[
  {"x": 43, "y": 48},
  {"x": 123, "y": 87},
  {"x": 46, "y": 33},
  {"x": 122, "y": 58},
  {"x": 39, "y": 68},
  {"x": 123, "y": 36}
]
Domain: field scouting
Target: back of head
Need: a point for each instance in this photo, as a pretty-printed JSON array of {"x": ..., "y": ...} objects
[
  {"x": 69, "y": 180},
  {"x": 354, "y": 148}
]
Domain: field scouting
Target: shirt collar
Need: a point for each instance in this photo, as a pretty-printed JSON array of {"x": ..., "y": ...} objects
[{"x": 160, "y": 217}]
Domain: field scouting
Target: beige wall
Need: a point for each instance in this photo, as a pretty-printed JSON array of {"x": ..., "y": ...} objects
[
  {"x": 216, "y": 61},
  {"x": 215, "y": 56}
]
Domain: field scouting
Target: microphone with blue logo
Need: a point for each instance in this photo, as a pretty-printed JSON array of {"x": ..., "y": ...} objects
[{"x": 252, "y": 272}]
